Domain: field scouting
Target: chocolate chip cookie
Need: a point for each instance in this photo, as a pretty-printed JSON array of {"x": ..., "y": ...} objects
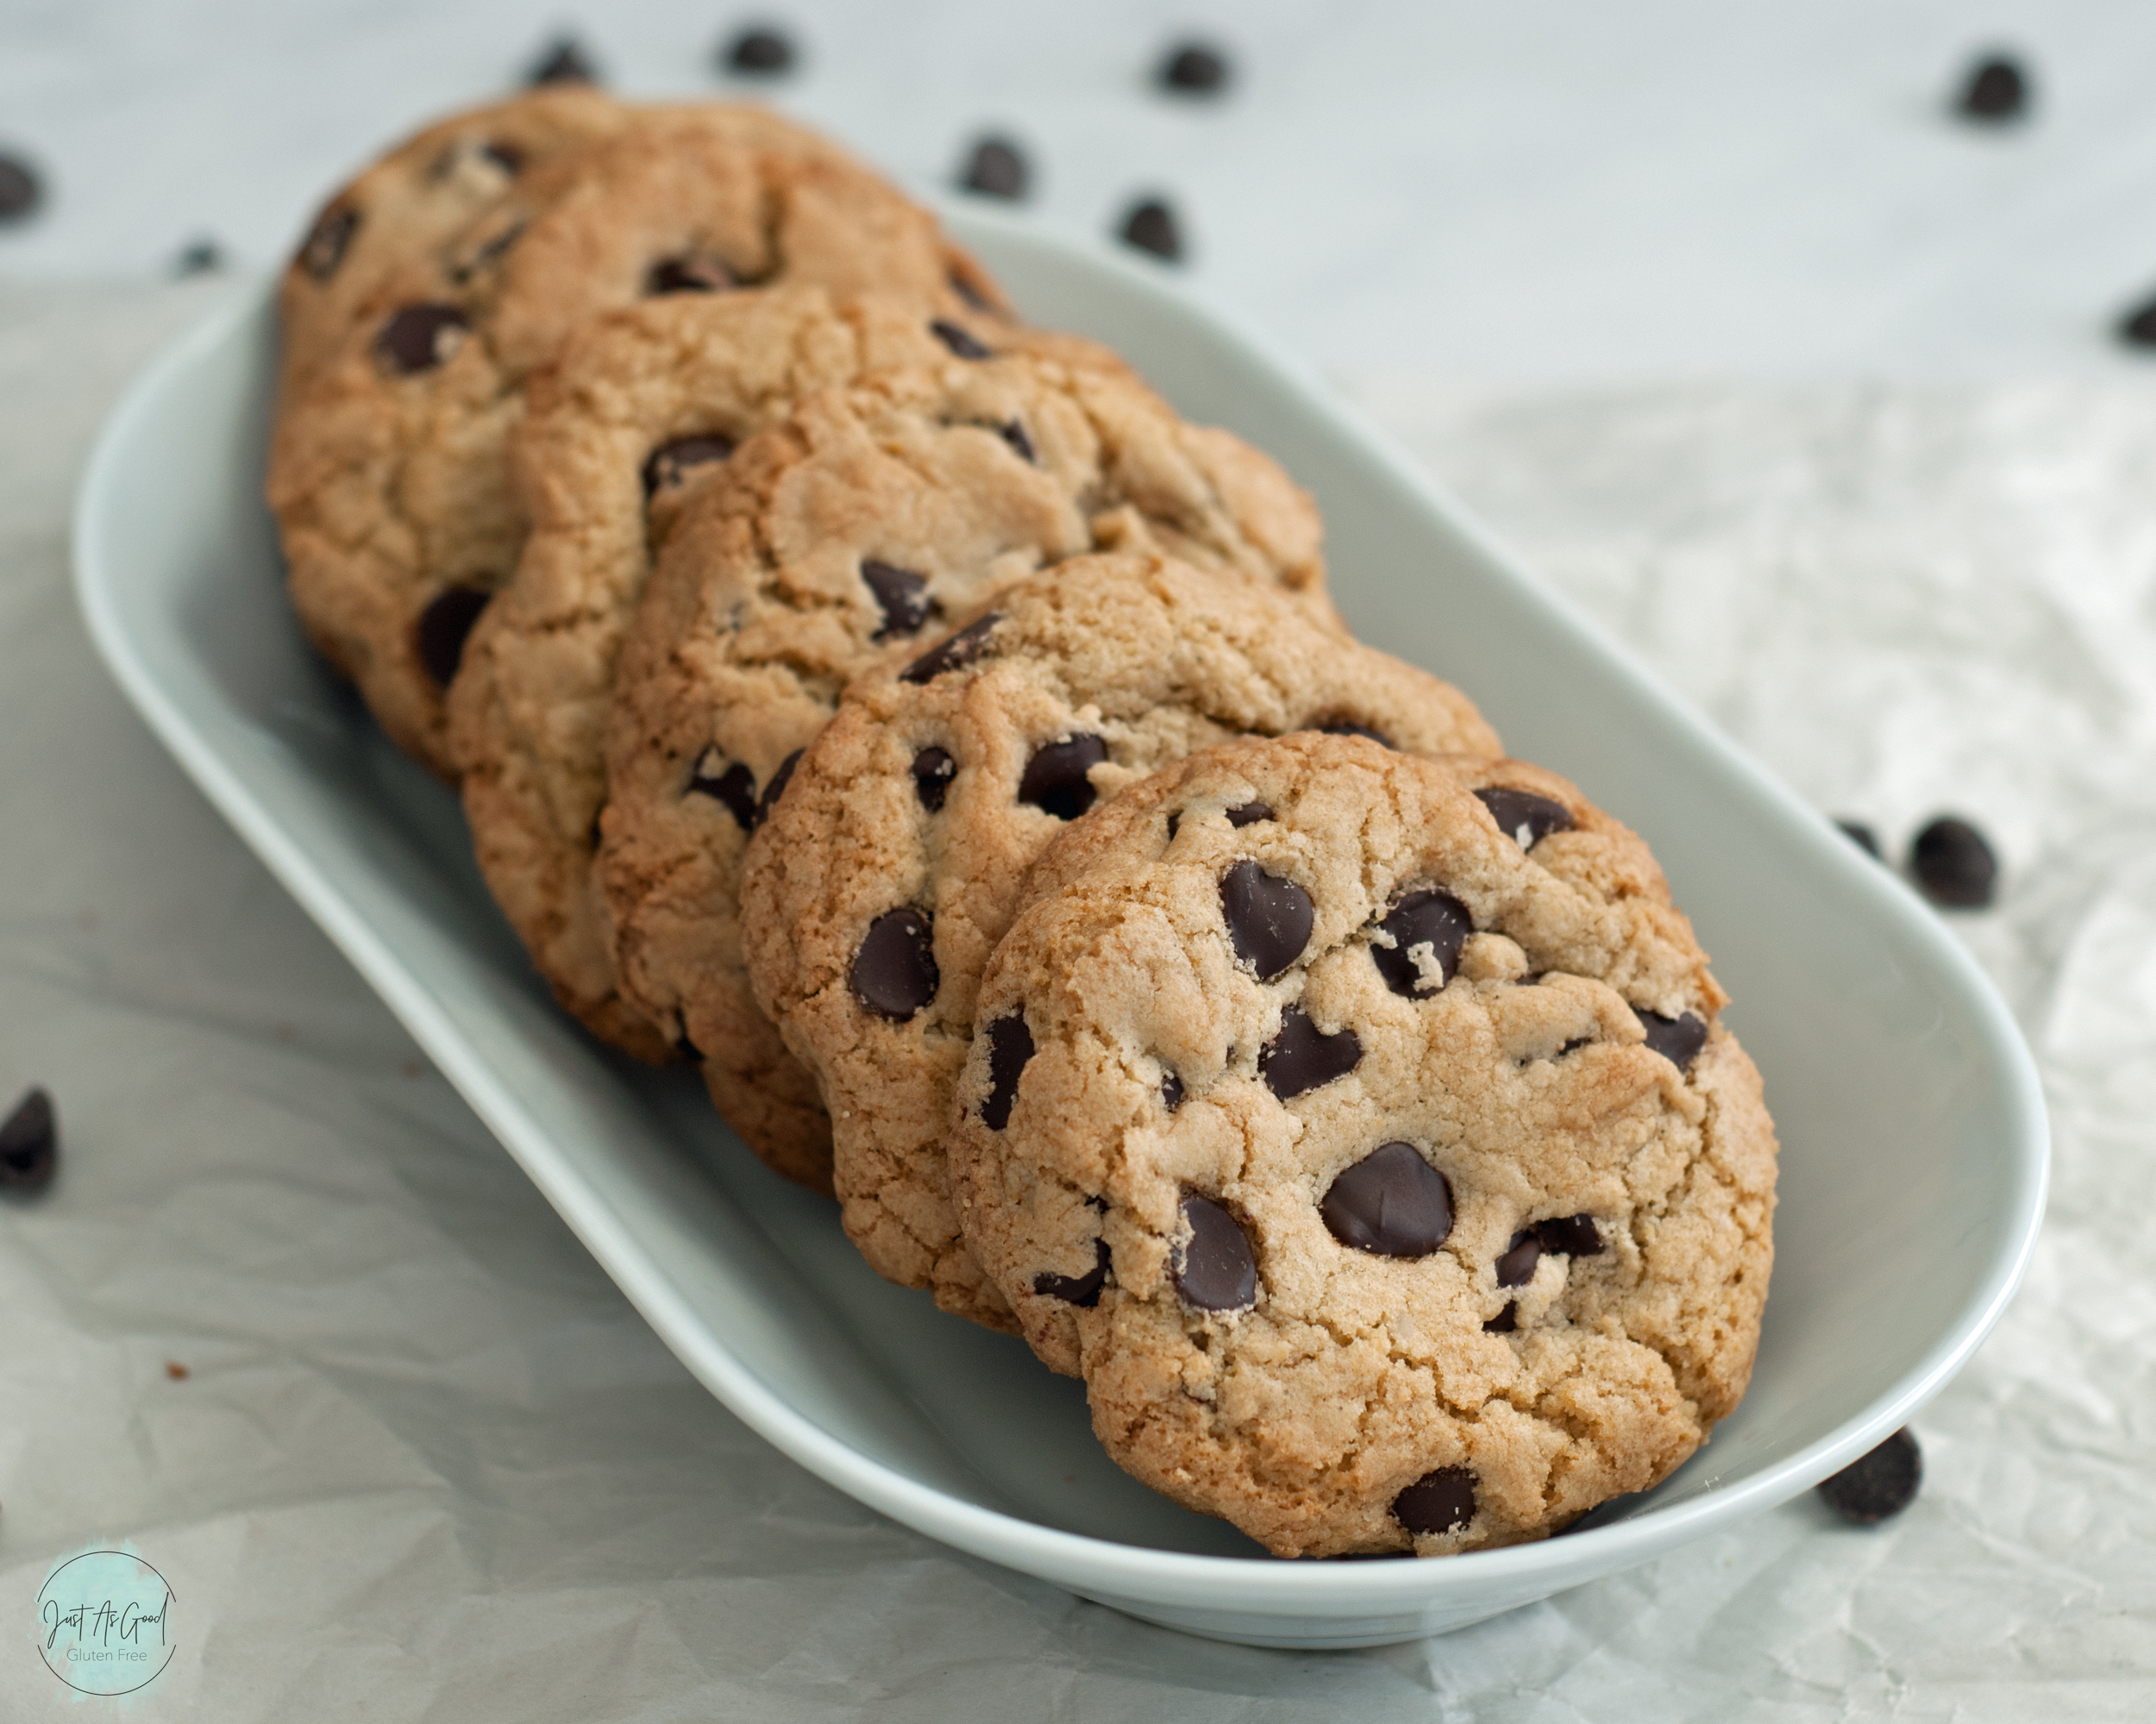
[
  {"x": 390, "y": 469},
  {"x": 877, "y": 514},
  {"x": 881, "y": 879},
  {"x": 1362, "y": 1129}
]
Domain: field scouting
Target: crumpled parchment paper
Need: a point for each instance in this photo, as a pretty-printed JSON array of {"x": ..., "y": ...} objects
[{"x": 425, "y": 1462}]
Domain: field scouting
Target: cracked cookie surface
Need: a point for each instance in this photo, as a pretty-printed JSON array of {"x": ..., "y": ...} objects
[
  {"x": 875, "y": 890},
  {"x": 390, "y": 469},
  {"x": 1363, "y": 1130},
  {"x": 876, "y": 515}
]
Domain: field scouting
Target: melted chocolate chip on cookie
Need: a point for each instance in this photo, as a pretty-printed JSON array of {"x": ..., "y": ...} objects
[
  {"x": 420, "y": 337},
  {"x": 894, "y": 972},
  {"x": 728, "y": 782},
  {"x": 933, "y": 770},
  {"x": 1081, "y": 1291},
  {"x": 1268, "y": 918},
  {"x": 669, "y": 464},
  {"x": 1435, "y": 919},
  {"x": 959, "y": 340},
  {"x": 902, "y": 595},
  {"x": 776, "y": 788},
  {"x": 1248, "y": 814},
  {"x": 1014, "y": 434},
  {"x": 1525, "y": 817},
  {"x": 1391, "y": 1204},
  {"x": 1516, "y": 1268},
  {"x": 1302, "y": 1057},
  {"x": 1439, "y": 1501},
  {"x": 1010, "y": 1046},
  {"x": 1678, "y": 1039},
  {"x": 969, "y": 643},
  {"x": 691, "y": 273},
  {"x": 1216, "y": 1270},
  {"x": 444, "y": 626},
  {"x": 1056, "y": 779},
  {"x": 1171, "y": 1089}
]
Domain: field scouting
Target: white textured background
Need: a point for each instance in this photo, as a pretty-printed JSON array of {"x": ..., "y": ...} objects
[{"x": 1802, "y": 390}]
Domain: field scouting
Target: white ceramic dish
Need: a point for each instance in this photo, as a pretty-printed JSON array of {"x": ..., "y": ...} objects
[{"x": 1914, "y": 1136}]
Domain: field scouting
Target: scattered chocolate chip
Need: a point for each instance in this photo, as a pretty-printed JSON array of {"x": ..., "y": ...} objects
[
  {"x": 325, "y": 247},
  {"x": 1505, "y": 1321},
  {"x": 688, "y": 1050},
  {"x": 894, "y": 972},
  {"x": 669, "y": 464},
  {"x": 1171, "y": 1090},
  {"x": 1301, "y": 1057},
  {"x": 1954, "y": 864},
  {"x": 564, "y": 62},
  {"x": 29, "y": 1145},
  {"x": 902, "y": 595},
  {"x": 1860, "y": 835},
  {"x": 776, "y": 788},
  {"x": 1436, "y": 919},
  {"x": 960, "y": 341},
  {"x": 1081, "y": 1291},
  {"x": 444, "y": 626},
  {"x": 1010, "y": 1046},
  {"x": 1150, "y": 226},
  {"x": 1996, "y": 90},
  {"x": 1879, "y": 1485},
  {"x": 1439, "y": 1502},
  {"x": 995, "y": 169},
  {"x": 1268, "y": 918},
  {"x": 1516, "y": 1268},
  {"x": 21, "y": 193},
  {"x": 1569, "y": 1236},
  {"x": 726, "y": 781},
  {"x": 1056, "y": 779},
  {"x": 759, "y": 51},
  {"x": 1195, "y": 69},
  {"x": 1392, "y": 1204},
  {"x": 955, "y": 654},
  {"x": 933, "y": 770},
  {"x": 1525, "y": 817},
  {"x": 1348, "y": 727},
  {"x": 1014, "y": 434},
  {"x": 691, "y": 273},
  {"x": 1248, "y": 814},
  {"x": 198, "y": 257},
  {"x": 2138, "y": 327},
  {"x": 1678, "y": 1039},
  {"x": 1216, "y": 1271},
  {"x": 419, "y": 338}
]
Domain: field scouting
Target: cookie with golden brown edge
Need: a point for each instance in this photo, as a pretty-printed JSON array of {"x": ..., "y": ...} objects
[
  {"x": 1364, "y": 1130},
  {"x": 390, "y": 467},
  {"x": 874, "y": 517},
  {"x": 885, "y": 875}
]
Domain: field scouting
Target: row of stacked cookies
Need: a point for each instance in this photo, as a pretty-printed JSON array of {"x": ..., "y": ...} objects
[{"x": 903, "y": 714}]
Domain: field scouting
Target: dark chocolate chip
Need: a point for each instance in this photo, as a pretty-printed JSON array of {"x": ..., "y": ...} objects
[
  {"x": 1248, "y": 814},
  {"x": 776, "y": 788},
  {"x": 21, "y": 193},
  {"x": 1574, "y": 1045},
  {"x": 444, "y": 626},
  {"x": 902, "y": 595},
  {"x": 730, "y": 782},
  {"x": 1302, "y": 1058},
  {"x": 691, "y": 273},
  {"x": 955, "y": 654},
  {"x": 1174, "y": 822},
  {"x": 199, "y": 257},
  {"x": 669, "y": 464},
  {"x": 688, "y": 1050},
  {"x": 1881, "y": 1484},
  {"x": 1171, "y": 1090},
  {"x": 1347, "y": 727},
  {"x": 1996, "y": 90},
  {"x": 1517, "y": 1267},
  {"x": 894, "y": 972},
  {"x": 419, "y": 338},
  {"x": 1678, "y": 1039},
  {"x": 995, "y": 169},
  {"x": 759, "y": 51},
  {"x": 1436, "y": 919},
  {"x": 1195, "y": 69},
  {"x": 1505, "y": 1321},
  {"x": 1392, "y": 1204},
  {"x": 1525, "y": 817},
  {"x": 933, "y": 770},
  {"x": 1954, "y": 864},
  {"x": 1268, "y": 918},
  {"x": 2137, "y": 327},
  {"x": 1216, "y": 1271},
  {"x": 1860, "y": 835},
  {"x": 1010, "y": 1046},
  {"x": 564, "y": 62},
  {"x": 29, "y": 1145},
  {"x": 958, "y": 339},
  {"x": 1439, "y": 1502},
  {"x": 324, "y": 247},
  {"x": 1569, "y": 1236},
  {"x": 1150, "y": 226},
  {"x": 1081, "y": 1291},
  {"x": 1014, "y": 434},
  {"x": 503, "y": 231},
  {"x": 1055, "y": 781}
]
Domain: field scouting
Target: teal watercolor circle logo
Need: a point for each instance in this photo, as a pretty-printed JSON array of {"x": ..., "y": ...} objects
[{"x": 105, "y": 1620}]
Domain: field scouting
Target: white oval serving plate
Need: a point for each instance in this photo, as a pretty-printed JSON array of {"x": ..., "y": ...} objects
[{"x": 1914, "y": 1143}]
